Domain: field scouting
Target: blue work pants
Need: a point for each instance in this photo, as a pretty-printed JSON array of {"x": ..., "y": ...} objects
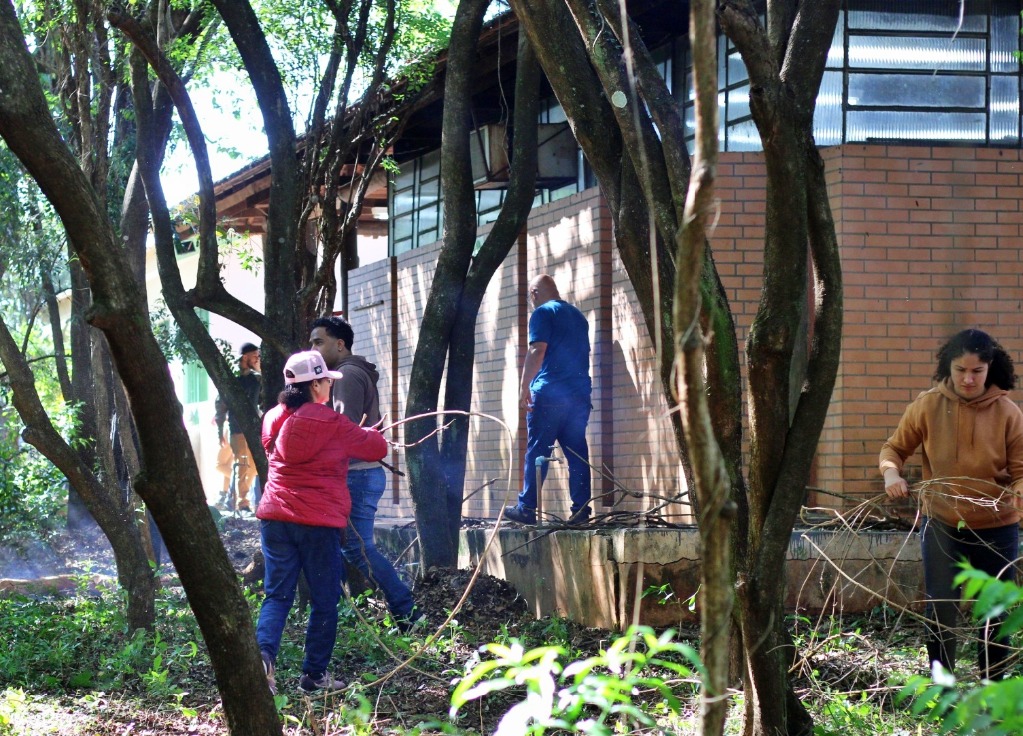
[
  {"x": 366, "y": 486},
  {"x": 563, "y": 420},
  {"x": 287, "y": 550}
]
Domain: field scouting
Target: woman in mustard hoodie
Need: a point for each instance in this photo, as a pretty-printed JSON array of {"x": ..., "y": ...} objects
[{"x": 970, "y": 435}]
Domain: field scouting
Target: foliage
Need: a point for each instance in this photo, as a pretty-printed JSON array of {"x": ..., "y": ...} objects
[
  {"x": 988, "y": 708},
  {"x": 10, "y": 701},
  {"x": 173, "y": 342},
  {"x": 45, "y": 649},
  {"x": 32, "y": 491},
  {"x": 596, "y": 695},
  {"x": 300, "y": 34}
]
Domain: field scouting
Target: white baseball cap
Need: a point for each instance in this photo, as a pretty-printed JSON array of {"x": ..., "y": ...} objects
[{"x": 307, "y": 366}]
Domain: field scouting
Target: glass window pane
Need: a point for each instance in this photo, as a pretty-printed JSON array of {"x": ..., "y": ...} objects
[
  {"x": 1004, "y": 42},
  {"x": 489, "y": 199},
  {"x": 428, "y": 220},
  {"x": 736, "y": 69},
  {"x": 429, "y": 191},
  {"x": 744, "y": 137},
  {"x": 429, "y": 165},
  {"x": 927, "y": 54},
  {"x": 555, "y": 114},
  {"x": 402, "y": 201},
  {"x": 888, "y": 125},
  {"x": 836, "y": 54},
  {"x": 402, "y": 227},
  {"x": 1004, "y": 109},
  {"x": 916, "y": 90},
  {"x": 738, "y": 103},
  {"x": 401, "y": 246},
  {"x": 917, "y": 15},
  {"x": 827, "y": 116}
]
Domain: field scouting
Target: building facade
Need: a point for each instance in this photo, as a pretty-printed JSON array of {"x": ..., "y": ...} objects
[{"x": 919, "y": 124}]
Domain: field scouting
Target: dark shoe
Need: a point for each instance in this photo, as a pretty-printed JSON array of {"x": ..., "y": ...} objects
[
  {"x": 325, "y": 681},
  {"x": 412, "y": 621},
  {"x": 268, "y": 667},
  {"x": 580, "y": 516},
  {"x": 520, "y": 514}
]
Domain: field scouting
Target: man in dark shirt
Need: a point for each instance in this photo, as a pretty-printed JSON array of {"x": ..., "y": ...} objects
[
  {"x": 355, "y": 395},
  {"x": 249, "y": 378}
]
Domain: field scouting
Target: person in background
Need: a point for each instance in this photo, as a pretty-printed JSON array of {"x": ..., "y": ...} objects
[
  {"x": 970, "y": 435},
  {"x": 225, "y": 458},
  {"x": 249, "y": 378},
  {"x": 303, "y": 512},
  {"x": 555, "y": 392},
  {"x": 356, "y": 396}
]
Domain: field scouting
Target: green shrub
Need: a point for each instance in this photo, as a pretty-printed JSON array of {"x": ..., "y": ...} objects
[{"x": 596, "y": 695}]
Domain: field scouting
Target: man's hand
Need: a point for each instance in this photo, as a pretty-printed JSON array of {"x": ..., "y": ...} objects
[
  {"x": 526, "y": 400},
  {"x": 895, "y": 485}
]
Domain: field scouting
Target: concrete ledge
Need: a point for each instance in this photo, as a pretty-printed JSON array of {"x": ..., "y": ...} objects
[{"x": 596, "y": 577}]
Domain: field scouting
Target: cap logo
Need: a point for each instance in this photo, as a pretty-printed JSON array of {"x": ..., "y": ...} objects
[{"x": 317, "y": 370}]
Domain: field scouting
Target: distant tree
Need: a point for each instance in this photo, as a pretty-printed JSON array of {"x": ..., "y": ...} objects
[
  {"x": 84, "y": 75},
  {"x": 169, "y": 480},
  {"x": 345, "y": 54}
]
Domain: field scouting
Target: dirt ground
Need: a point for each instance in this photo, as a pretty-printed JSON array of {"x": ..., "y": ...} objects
[
  {"x": 397, "y": 696},
  {"x": 410, "y": 695}
]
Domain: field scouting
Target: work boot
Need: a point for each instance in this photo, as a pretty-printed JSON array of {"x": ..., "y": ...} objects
[
  {"x": 580, "y": 515},
  {"x": 268, "y": 667},
  {"x": 324, "y": 681},
  {"x": 520, "y": 514},
  {"x": 412, "y": 621}
]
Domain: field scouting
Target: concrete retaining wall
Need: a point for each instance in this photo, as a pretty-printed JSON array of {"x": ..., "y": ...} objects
[{"x": 596, "y": 577}]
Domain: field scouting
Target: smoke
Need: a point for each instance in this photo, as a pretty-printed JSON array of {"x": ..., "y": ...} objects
[{"x": 27, "y": 559}]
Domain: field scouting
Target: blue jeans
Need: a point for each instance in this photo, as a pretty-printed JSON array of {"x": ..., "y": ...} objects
[
  {"x": 315, "y": 550},
  {"x": 366, "y": 487},
  {"x": 944, "y": 547},
  {"x": 565, "y": 421}
]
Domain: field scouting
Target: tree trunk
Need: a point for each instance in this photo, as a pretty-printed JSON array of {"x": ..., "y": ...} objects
[
  {"x": 170, "y": 482},
  {"x": 115, "y": 518},
  {"x": 460, "y": 283}
]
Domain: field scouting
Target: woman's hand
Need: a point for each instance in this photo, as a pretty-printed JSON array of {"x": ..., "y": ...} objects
[{"x": 895, "y": 485}]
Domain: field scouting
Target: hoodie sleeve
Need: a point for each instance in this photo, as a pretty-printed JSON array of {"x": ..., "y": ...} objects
[
  {"x": 903, "y": 443},
  {"x": 1014, "y": 452}
]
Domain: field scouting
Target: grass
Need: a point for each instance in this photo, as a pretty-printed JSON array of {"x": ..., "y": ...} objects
[{"x": 69, "y": 665}]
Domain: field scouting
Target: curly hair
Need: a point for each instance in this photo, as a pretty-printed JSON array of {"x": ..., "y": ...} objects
[
  {"x": 977, "y": 342},
  {"x": 296, "y": 394}
]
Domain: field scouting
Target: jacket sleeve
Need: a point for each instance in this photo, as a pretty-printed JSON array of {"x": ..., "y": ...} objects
[
  {"x": 272, "y": 422},
  {"x": 360, "y": 443},
  {"x": 903, "y": 443}
]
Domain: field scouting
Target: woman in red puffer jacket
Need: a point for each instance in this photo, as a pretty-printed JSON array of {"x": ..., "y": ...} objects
[{"x": 303, "y": 512}]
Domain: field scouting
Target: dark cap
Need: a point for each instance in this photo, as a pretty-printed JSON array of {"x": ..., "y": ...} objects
[{"x": 247, "y": 347}]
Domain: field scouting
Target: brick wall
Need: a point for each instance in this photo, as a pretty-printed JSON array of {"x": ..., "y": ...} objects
[{"x": 930, "y": 244}]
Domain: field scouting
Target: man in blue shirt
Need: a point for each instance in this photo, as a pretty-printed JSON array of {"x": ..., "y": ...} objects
[{"x": 555, "y": 392}]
